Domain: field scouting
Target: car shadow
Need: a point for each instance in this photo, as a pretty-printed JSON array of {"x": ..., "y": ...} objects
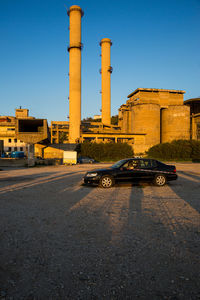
[
  {"x": 120, "y": 185},
  {"x": 191, "y": 195}
]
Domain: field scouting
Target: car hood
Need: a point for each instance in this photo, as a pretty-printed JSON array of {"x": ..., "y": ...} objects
[{"x": 99, "y": 170}]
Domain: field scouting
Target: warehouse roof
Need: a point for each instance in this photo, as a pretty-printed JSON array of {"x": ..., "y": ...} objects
[
  {"x": 155, "y": 90},
  {"x": 193, "y": 100}
]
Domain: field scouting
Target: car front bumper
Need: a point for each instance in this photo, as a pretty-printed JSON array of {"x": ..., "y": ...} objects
[{"x": 91, "y": 180}]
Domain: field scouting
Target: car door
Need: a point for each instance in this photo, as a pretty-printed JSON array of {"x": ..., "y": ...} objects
[
  {"x": 146, "y": 171},
  {"x": 128, "y": 174}
]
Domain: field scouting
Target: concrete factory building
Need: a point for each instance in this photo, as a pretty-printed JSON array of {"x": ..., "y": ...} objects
[
  {"x": 194, "y": 105},
  {"x": 149, "y": 117},
  {"x": 21, "y": 132},
  {"x": 160, "y": 114}
]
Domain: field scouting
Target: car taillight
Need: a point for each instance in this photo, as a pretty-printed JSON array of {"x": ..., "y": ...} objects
[{"x": 174, "y": 170}]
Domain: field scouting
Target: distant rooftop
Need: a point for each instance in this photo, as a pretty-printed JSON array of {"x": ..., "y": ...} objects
[
  {"x": 65, "y": 147},
  {"x": 192, "y": 100},
  {"x": 155, "y": 90}
]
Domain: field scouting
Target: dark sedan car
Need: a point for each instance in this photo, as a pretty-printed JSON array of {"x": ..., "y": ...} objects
[
  {"x": 132, "y": 170},
  {"x": 85, "y": 160}
]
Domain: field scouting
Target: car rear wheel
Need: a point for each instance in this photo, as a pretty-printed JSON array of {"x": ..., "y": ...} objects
[
  {"x": 106, "y": 181},
  {"x": 160, "y": 180}
]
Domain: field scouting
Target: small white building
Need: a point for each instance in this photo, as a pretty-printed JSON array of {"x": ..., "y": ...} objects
[{"x": 96, "y": 117}]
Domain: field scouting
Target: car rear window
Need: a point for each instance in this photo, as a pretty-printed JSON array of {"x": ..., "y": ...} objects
[
  {"x": 154, "y": 163},
  {"x": 146, "y": 164}
]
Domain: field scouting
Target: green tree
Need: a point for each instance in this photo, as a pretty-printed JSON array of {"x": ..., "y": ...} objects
[
  {"x": 106, "y": 151},
  {"x": 63, "y": 137},
  {"x": 114, "y": 120},
  {"x": 177, "y": 149}
]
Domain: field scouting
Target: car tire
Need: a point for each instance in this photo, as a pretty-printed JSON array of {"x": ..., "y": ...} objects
[
  {"x": 160, "y": 180},
  {"x": 106, "y": 181}
]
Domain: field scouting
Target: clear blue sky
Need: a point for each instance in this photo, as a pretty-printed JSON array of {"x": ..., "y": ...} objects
[{"x": 156, "y": 44}]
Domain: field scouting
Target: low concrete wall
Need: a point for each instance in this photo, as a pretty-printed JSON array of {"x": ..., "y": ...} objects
[{"x": 13, "y": 162}]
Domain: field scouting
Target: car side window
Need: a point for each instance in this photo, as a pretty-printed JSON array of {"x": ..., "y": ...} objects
[
  {"x": 145, "y": 164},
  {"x": 132, "y": 164},
  {"x": 142, "y": 164},
  {"x": 154, "y": 163},
  {"x": 125, "y": 166}
]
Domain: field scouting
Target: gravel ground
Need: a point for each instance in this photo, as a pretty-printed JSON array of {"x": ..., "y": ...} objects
[{"x": 62, "y": 240}]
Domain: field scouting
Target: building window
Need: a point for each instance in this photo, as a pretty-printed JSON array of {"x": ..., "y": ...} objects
[
  {"x": 10, "y": 129},
  {"x": 15, "y": 148},
  {"x": 9, "y": 140},
  {"x": 9, "y": 149},
  {"x": 15, "y": 140},
  {"x": 21, "y": 148}
]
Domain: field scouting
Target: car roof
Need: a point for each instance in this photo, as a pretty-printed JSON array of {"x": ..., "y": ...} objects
[{"x": 139, "y": 158}]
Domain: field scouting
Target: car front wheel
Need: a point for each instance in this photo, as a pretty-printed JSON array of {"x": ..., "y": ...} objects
[
  {"x": 160, "y": 180},
  {"x": 106, "y": 181}
]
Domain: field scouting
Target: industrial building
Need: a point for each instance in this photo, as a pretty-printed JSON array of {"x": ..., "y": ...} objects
[
  {"x": 59, "y": 131},
  {"x": 22, "y": 132},
  {"x": 149, "y": 116},
  {"x": 160, "y": 114},
  {"x": 7, "y": 131},
  {"x": 94, "y": 131},
  {"x": 194, "y": 105}
]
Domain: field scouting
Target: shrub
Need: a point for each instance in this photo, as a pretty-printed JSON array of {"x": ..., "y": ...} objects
[
  {"x": 106, "y": 151},
  {"x": 195, "y": 155},
  {"x": 177, "y": 149}
]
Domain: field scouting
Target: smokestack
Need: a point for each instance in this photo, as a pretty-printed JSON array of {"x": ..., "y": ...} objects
[
  {"x": 106, "y": 70},
  {"x": 75, "y": 13}
]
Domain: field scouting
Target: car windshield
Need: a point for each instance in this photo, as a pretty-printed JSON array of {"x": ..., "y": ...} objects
[{"x": 119, "y": 163}]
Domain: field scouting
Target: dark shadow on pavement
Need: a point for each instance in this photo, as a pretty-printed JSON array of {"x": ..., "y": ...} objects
[{"x": 192, "y": 194}]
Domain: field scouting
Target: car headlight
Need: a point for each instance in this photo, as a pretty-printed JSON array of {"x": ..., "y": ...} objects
[{"x": 91, "y": 174}]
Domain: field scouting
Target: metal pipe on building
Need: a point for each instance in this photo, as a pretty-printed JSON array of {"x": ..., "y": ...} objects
[
  {"x": 106, "y": 70},
  {"x": 75, "y": 13}
]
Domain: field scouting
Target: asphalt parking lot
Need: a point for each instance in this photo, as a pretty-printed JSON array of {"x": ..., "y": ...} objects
[{"x": 63, "y": 240}]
